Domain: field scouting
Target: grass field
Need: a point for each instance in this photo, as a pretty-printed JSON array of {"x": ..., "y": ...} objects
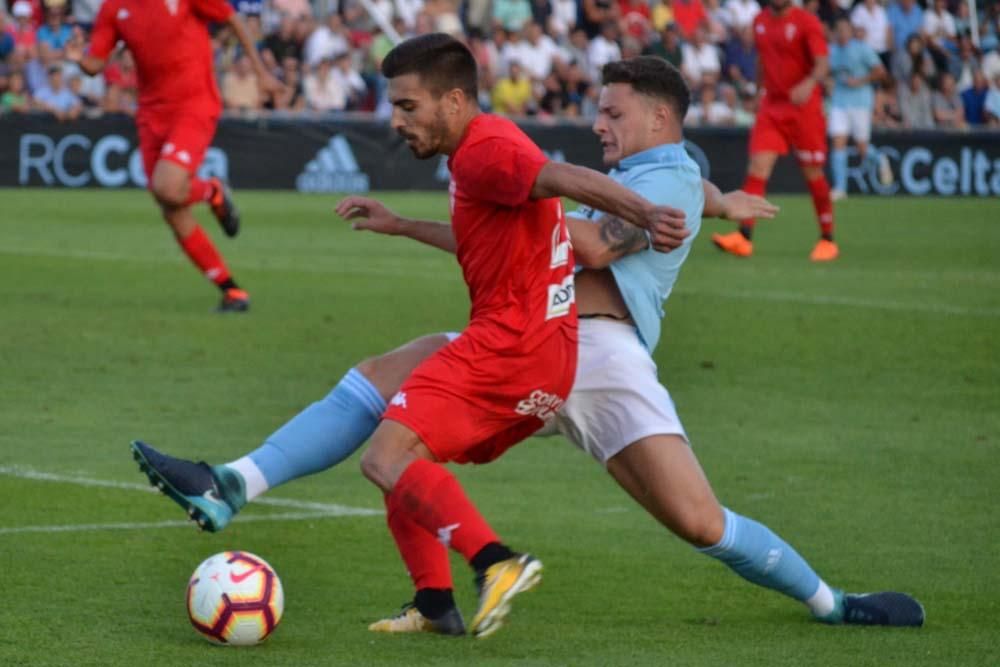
[{"x": 854, "y": 407}]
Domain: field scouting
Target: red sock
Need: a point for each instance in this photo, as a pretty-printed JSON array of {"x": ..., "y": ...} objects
[
  {"x": 202, "y": 253},
  {"x": 754, "y": 186},
  {"x": 425, "y": 557},
  {"x": 431, "y": 496},
  {"x": 201, "y": 190},
  {"x": 820, "y": 191}
]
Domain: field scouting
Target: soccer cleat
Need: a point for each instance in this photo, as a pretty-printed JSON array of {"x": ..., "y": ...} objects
[
  {"x": 223, "y": 208},
  {"x": 409, "y": 619},
  {"x": 885, "y": 176},
  {"x": 824, "y": 251},
  {"x": 211, "y": 495},
  {"x": 498, "y": 586},
  {"x": 234, "y": 301},
  {"x": 734, "y": 243},
  {"x": 889, "y": 608},
  {"x": 837, "y": 195}
]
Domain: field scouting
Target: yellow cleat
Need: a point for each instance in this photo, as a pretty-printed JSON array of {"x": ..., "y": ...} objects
[
  {"x": 734, "y": 243},
  {"x": 500, "y": 583},
  {"x": 411, "y": 620},
  {"x": 825, "y": 251}
]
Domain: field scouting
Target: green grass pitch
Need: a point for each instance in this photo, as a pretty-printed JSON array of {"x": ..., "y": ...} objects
[{"x": 853, "y": 407}]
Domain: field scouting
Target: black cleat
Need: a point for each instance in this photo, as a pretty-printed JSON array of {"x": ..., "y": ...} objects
[
  {"x": 888, "y": 608},
  {"x": 224, "y": 209}
]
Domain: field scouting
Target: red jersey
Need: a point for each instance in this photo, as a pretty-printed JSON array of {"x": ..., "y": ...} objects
[
  {"x": 788, "y": 46},
  {"x": 514, "y": 251},
  {"x": 170, "y": 43}
]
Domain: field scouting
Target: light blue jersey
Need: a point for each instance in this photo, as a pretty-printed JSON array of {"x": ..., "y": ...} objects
[
  {"x": 854, "y": 59},
  {"x": 665, "y": 175}
]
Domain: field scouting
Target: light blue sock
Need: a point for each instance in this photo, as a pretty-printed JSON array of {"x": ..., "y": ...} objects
[
  {"x": 755, "y": 553},
  {"x": 324, "y": 434},
  {"x": 838, "y": 169}
]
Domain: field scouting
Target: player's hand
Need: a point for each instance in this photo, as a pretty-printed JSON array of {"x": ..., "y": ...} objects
[
  {"x": 666, "y": 228},
  {"x": 739, "y": 205},
  {"x": 799, "y": 95},
  {"x": 366, "y": 213},
  {"x": 269, "y": 84},
  {"x": 75, "y": 47}
]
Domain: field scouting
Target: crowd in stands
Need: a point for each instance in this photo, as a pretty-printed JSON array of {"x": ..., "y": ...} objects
[{"x": 537, "y": 57}]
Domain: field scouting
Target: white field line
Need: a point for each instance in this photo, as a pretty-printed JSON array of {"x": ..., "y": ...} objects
[
  {"x": 423, "y": 272},
  {"x": 308, "y": 510}
]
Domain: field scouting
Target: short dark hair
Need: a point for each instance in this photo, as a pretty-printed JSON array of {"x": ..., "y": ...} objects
[
  {"x": 652, "y": 76},
  {"x": 441, "y": 61}
]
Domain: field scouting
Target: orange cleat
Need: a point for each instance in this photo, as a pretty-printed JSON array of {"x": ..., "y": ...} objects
[
  {"x": 734, "y": 243},
  {"x": 825, "y": 251},
  {"x": 234, "y": 301}
]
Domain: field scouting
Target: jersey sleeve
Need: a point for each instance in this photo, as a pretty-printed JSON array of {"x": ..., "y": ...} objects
[
  {"x": 212, "y": 11},
  {"x": 104, "y": 34},
  {"x": 815, "y": 39},
  {"x": 501, "y": 171}
]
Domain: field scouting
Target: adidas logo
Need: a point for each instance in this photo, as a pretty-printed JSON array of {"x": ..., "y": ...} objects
[{"x": 334, "y": 169}]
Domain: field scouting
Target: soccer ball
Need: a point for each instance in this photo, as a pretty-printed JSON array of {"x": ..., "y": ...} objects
[{"x": 235, "y": 598}]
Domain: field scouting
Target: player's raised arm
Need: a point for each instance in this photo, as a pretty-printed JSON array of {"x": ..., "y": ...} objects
[
  {"x": 592, "y": 188},
  {"x": 372, "y": 215}
]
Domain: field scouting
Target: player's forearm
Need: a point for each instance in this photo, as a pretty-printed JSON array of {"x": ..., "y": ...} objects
[
  {"x": 715, "y": 203},
  {"x": 246, "y": 41},
  {"x": 593, "y": 189},
  {"x": 820, "y": 70},
  {"x": 437, "y": 234},
  {"x": 90, "y": 64}
]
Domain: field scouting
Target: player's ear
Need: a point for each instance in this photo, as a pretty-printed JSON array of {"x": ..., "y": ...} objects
[
  {"x": 454, "y": 100},
  {"x": 663, "y": 116}
]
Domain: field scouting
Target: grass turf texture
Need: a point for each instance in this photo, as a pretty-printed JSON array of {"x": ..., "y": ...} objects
[{"x": 853, "y": 407}]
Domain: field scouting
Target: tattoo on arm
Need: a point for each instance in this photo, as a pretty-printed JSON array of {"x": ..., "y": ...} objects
[{"x": 621, "y": 237}]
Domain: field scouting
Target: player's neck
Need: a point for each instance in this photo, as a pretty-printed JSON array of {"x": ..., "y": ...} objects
[{"x": 461, "y": 128}]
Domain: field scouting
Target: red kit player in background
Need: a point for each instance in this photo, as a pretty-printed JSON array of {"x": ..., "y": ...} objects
[
  {"x": 179, "y": 106},
  {"x": 792, "y": 65}
]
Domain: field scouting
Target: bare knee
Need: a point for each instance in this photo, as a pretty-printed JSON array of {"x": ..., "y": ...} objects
[
  {"x": 701, "y": 526},
  {"x": 168, "y": 194}
]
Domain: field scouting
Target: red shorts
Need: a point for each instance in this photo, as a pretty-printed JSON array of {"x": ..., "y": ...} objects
[
  {"x": 181, "y": 138},
  {"x": 470, "y": 405},
  {"x": 782, "y": 125}
]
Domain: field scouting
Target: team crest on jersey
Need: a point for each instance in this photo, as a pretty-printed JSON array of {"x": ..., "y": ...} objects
[{"x": 790, "y": 32}]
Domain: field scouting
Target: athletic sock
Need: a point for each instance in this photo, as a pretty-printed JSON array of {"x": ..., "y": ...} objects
[
  {"x": 492, "y": 553},
  {"x": 755, "y": 553},
  {"x": 201, "y": 189},
  {"x": 434, "y": 602},
  {"x": 202, "y": 253},
  {"x": 433, "y": 498},
  {"x": 820, "y": 191},
  {"x": 425, "y": 557},
  {"x": 838, "y": 169},
  {"x": 319, "y": 437},
  {"x": 754, "y": 186}
]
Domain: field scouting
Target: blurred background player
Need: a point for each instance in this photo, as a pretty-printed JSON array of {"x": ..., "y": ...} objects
[
  {"x": 179, "y": 106},
  {"x": 793, "y": 64},
  {"x": 854, "y": 68}
]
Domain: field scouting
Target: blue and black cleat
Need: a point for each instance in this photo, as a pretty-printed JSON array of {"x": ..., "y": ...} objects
[{"x": 888, "y": 608}]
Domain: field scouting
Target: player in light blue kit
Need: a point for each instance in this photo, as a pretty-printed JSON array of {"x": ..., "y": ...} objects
[
  {"x": 617, "y": 411},
  {"x": 854, "y": 68}
]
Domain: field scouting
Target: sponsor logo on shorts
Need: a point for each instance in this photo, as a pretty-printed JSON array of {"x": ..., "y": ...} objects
[
  {"x": 444, "y": 534},
  {"x": 540, "y": 404},
  {"x": 561, "y": 298},
  {"x": 399, "y": 399}
]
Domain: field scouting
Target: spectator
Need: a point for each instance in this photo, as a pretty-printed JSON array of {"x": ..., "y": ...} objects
[
  {"x": 603, "y": 49},
  {"x": 886, "y": 111},
  {"x": 511, "y": 14},
  {"x": 240, "y": 91},
  {"x": 717, "y": 21},
  {"x": 701, "y": 61},
  {"x": 56, "y": 98},
  {"x": 323, "y": 89},
  {"x": 963, "y": 64},
  {"x": 974, "y": 99},
  {"x": 991, "y": 106},
  {"x": 576, "y": 50},
  {"x": 741, "y": 60},
  {"x": 991, "y": 65},
  {"x": 915, "y": 104},
  {"x": 949, "y": 112},
  {"x": 913, "y": 58},
  {"x": 55, "y": 32},
  {"x": 325, "y": 41},
  {"x": 349, "y": 80},
  {"x": 939, "y": 31},
  {"x": 741, "y": 13},
  {"x": 6, "y": 36},
  {"x": 689, "y": 16},
  {"x": 872, "y": 18},
  {"x": 541, "y": 11},
  {"x": 283, "y": 43},
  {"x": 709, "y": 110},
  {"x": 743, "y": 106},
  {"x": 121, "y": 73},
  {"x": 292, "y": 97},
  {"x": 409, "y": 10},
  {"x": 89, "y": 106},
  {"x": 84, "y": 12},
  {"x": 444, "y": 16},
  {"x": 662, "y": 15},
  {"x": 563, "y": 18},
  {"x": 592, "y": 15},
  {"x": 668, "y": 46},
  {"x": 538, "y": 52},
  {"x": 905, "y": 18},
  {"x": 16, "y": 99},
  {"x": 23, "y": 32},
  {"x": 512, "y": 94},
  {"x": 635, "y": 18}
]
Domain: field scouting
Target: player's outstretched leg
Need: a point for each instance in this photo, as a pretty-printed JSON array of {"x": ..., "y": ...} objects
[{"x": 210, "y": 495}]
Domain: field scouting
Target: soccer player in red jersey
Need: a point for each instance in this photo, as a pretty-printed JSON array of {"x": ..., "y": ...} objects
[
  {"x": 792, "y": 64},
  {"x": 179, "y": 106},
  {"x": 513, "y": 366}
]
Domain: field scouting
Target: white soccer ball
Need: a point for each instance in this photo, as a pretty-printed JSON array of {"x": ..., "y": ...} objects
[{"x": 235, "y": 598}]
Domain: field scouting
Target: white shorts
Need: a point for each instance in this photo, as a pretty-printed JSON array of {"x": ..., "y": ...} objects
[
  {"x": 853, "y": 121},
  {"x": 616, "y": 398}
]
